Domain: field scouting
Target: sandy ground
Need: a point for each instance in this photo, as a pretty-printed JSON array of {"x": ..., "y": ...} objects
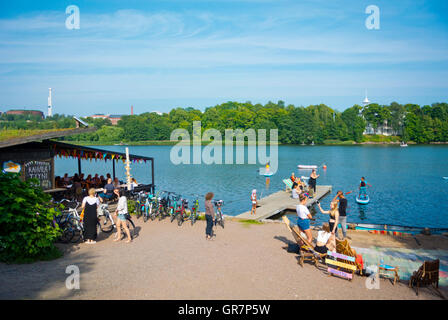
[{"x": 167, "y": 262}]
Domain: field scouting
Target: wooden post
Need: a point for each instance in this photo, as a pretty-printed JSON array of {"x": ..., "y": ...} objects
[
  {"x": 79, "y": 166},
  {"x": 128, "y": 169},
  {"x": 152, "y": 175},
  {"x": 113, "y": 169}
]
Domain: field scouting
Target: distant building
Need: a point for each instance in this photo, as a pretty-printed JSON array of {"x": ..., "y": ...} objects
[
  {"x": 114, "y": 118},
  {"x": 26, "y": 112},
  {"x": 383, "y": 129}
]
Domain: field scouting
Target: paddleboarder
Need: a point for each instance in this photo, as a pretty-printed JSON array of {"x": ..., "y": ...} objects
[{"x": 363, "y": 188}]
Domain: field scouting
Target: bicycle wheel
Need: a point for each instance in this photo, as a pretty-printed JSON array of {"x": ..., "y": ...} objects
[
  {"x": 67, "y": 235},
  {"x": 145, "y": 214},
  {"x": 131, "y": 226},
  {"x": 153, "y": 213},
  {"x": 105, "y": 224},
  {"x": 173, "y": 215},
  {"x": 180, "y": 220}
]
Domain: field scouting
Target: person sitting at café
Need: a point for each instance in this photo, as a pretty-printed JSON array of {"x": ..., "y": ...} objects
[
  {"x": 58, "y": 182},
  {"x": 97, "y": 181},
  {"x": 134, "y": 182},
  {"x": 103, "y": 181},
  {"x": 116, "y": 183},
  {"x": 66, "y": 179},
  {"x": 108, "y": 191},
  {"x": 89, "y": 181}
]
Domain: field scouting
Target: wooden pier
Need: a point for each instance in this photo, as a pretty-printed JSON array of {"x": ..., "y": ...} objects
[{"x": 281, "y": 201}]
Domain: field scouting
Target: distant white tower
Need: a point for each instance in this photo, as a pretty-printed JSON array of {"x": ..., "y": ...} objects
[
  {"x": 366, "y": 100},
  {"x": 50, "y": 111}
]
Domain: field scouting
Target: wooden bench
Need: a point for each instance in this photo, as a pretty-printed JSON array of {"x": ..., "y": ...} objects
[{"x": 340, "y": 265}]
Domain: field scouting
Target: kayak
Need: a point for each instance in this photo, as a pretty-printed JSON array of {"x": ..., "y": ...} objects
[
  {"x": 392, "y": 229},
  {"x": 363, "y": 200},
  {"x": 304, "y": 166}
]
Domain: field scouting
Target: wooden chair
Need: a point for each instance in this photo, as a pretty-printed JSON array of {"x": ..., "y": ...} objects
[
  {"x": 343, "y": 247},
  {"x": 307, "y": 251},
  {"x": 427, "y": 274},
  {"x": 288, "y": 184}
]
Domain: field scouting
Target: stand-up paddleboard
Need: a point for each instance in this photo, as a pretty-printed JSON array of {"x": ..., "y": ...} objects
[
  {"x": 304, "y": 166},
  {"x": 363, "y": 199},
  {"x": 266, "y": 173}
]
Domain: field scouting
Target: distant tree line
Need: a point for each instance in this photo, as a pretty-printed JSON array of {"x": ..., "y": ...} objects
[{"x": 296, "y": 125}]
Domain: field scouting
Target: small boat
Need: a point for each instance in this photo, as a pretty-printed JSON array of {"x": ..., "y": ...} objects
[
  {"x": 362, "y": 199},
  {"x": 403, "y": 144},
  {"x": 304, "y": 166},
  {"x": 268, "y": 174},
  {"x": 393, "y": 229},
  {"x": 304, "y": 178}
]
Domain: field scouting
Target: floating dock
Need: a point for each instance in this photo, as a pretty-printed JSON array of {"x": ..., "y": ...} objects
[{"x": 280, "y": 201}]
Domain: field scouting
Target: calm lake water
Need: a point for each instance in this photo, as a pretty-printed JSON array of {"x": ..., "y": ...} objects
[{"x": 407, "y": 185}]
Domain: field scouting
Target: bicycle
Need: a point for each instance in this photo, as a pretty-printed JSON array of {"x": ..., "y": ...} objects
[
  {"x": 76, "y": 220},
  {"x": 219, "y": 217},
  {"x": 176, "y": 208},
  {"x": 153, "y": 212},
  {"x": 182, "y": 215},
  {"x": 194, "y": 211},
  {"x": 164, "y": 204},
  {"x": 108, "y": 223}
]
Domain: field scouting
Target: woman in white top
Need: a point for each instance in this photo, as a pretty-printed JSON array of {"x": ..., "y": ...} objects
[
  {"x": 326, "y": 240},
  {"x": 253, "y": 198},
  {"x": 120, "y": 213},
  {"x": 304, "y": 216},
  {"x": 90, "y": 204}
]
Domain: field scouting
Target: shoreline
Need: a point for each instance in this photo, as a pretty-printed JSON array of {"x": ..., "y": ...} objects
[{"x": 204, "y": 143}]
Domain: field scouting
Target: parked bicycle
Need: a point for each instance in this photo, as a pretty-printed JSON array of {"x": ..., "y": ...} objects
[
  {"x": 107, "y": 223},
  {"x": 194, "y": 211},
  {"x": 182, "y": 214},
  {"x": 219, "y": 217}
]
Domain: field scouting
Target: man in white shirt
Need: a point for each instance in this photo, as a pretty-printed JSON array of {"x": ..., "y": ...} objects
[{"x": 304, "y": 216}]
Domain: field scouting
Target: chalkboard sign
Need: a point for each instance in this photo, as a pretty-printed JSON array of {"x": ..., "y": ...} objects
[{"x": 40, "y": 170}]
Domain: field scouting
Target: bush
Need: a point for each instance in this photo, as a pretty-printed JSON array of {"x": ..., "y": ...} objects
[
  {"x": 27, "y": 233},
  {"x": 131, "y": 207}
]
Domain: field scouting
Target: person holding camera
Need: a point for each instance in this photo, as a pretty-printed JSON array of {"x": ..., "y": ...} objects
[
  {"x": 209, "y": 215},
  {"x": 334, "y": 215}
]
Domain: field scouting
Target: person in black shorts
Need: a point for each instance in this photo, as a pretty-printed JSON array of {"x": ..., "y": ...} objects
[{"x": 342, "y": 201}]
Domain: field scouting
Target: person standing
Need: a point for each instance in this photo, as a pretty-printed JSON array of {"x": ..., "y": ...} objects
[
  {"x": 334, "y": 215},
  {"x": 363, "y": 187},
  {"x": 90, "y": 204},
  {"x": 342, "y": 207},
  {"x": 253, "y": 199},
  {"x": 313, "y": 180},
  {"x": 304, "y": 216},
  {"x": 121, "y": 212},
  {"x": 209, "y": 215}
]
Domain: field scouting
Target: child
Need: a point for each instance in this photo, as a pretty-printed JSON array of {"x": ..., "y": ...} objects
[{"x": 253, "y": 198}]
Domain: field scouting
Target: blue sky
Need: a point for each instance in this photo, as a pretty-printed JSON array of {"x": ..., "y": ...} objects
[{"x": 157, "y": 55}]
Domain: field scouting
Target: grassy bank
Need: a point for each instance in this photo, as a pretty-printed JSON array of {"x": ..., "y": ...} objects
[{"x": 6, "y": 134}]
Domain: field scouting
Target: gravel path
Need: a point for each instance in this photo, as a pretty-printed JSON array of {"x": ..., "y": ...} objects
[{"x": 168, "y": 262}]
